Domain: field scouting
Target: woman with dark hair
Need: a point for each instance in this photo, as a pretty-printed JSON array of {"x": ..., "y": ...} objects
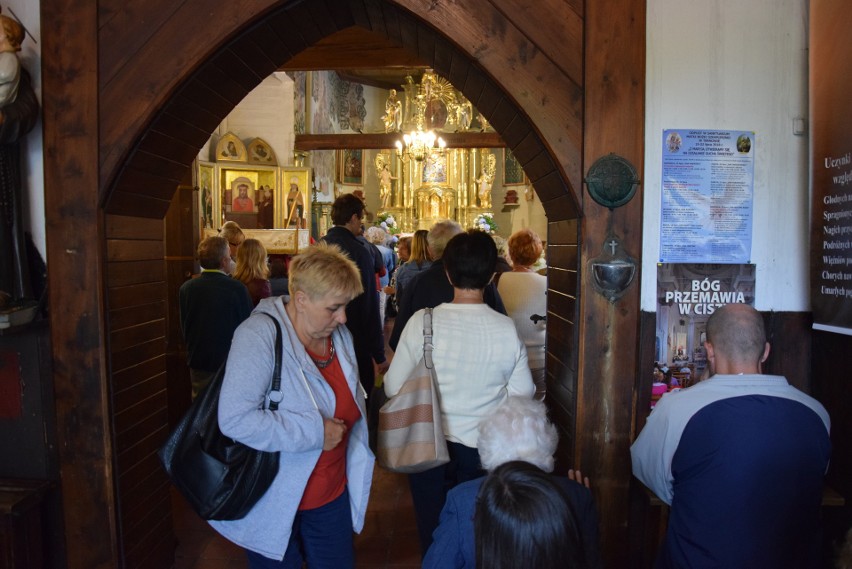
[
  {"x": 524, "y": 518},
  {"x": 479, "y": 362}
]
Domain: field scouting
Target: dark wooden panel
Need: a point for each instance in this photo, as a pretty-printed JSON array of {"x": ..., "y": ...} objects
[
  {"x": 255, "y": 56},
  {"x": 136, "y": 250},
  {"x": 125, "y": 338},
  {"x": 562, "y": 280},
  {"x": 165, "y": 165},
  {"x": 504, "y": 114},
  {"x": 136, "y": 503},
  {"x": 789, "y": 334},
  {"x": 561, "y": 372},
  {"x": 157, "y": 142},
  {"x": 180, "y": 128},
  {"x": 128, "y": 377},
  {"x": 129, "y": 227},
  {"x": 142, "y": 439},
  {"x": 562, "y": 232},
  {"x": 137, "y": 413},
  {"x": 309, "y": 28},
  {"x": 473, "y": 86},
  {"x": 141, "y": 552},
  {"x": 74, "y": 225},
  {"x": 136, "y": 527},
  {"x": 216, "y": 77},
  {"x": 135, "y": 272},
  {"x": 207, "y": 100},
  {"x": 123, "y": 203},
  {"x": 458, "y": 70},
  {"x": 118, "y": 29},
  {"x": 139, "y": 390},
  {"x": 139, "y": 314},
  {"x": 834, "y": 391},
  {"x": 488, "y": 99},
  {"x": 560, "y": 333},
  {"x": 647, "y": 339},
  {"x": 562, "y": 256},
  {"x": 562, "y": 304},
  {"x": 123, "y": 359},
  {"x": 561, "y": 38},
  {"x": 135, "y": 295},
  {"x": 559, "y": 208}
]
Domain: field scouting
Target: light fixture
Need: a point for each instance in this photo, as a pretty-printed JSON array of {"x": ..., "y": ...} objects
[{"x": 420, "y": 143}]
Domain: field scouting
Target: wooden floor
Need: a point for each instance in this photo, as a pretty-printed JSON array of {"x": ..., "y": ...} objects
[{"x": 389, "y": 539}]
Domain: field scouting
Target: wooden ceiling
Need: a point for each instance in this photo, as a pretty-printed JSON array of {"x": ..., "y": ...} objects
[{"x": 361, "y": 56}]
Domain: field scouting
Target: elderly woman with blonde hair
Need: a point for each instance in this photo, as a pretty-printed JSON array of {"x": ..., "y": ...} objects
[
  {"x": 253, "y": 270},
  {"x": 523, "y": 292},
  {"x": 320, "y": 493},
  {"x": 518, "y": 430}
]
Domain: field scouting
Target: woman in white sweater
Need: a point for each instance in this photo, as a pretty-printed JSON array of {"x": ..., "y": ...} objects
[
  {"x": 479, "y": 362},
  {"x": 523, "y": 293}
]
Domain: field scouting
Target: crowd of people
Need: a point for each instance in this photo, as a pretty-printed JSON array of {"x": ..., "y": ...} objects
[{"x": 706, "y": 450}]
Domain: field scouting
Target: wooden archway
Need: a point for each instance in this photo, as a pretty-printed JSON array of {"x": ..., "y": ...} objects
[{"x": 126, "y": 111}]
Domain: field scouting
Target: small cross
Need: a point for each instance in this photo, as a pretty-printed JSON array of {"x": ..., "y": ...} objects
[{"x": 612, "y": 245}]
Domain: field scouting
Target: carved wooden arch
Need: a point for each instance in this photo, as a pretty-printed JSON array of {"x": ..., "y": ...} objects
[{"x": 158, "y": 162}]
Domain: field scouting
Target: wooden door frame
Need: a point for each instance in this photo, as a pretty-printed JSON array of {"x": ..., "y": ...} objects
[{"x": 93, "y": 166}]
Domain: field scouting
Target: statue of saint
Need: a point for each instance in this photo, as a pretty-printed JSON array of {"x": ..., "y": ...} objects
[
  {"x": 393, "y": 113},
  {"x": 486, "y": 178},
  {"x": 18, "y": 114},
  {"x": 385, "y": 179}
]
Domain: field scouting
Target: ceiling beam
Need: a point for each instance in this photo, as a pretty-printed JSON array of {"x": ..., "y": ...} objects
[{"x": 383, "y": 140}]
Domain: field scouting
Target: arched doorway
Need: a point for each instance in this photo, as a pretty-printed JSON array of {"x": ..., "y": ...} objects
[{"x": 151, "y": 122}]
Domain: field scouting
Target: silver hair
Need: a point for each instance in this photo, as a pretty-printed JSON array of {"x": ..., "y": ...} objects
[
  {"x": 440, "y": 234},
  {"x": 517, "y": 430},
  {"x": 376, "y": 235}
]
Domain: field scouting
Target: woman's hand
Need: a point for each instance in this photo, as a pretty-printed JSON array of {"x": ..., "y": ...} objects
[{"x": 334, "y": 431}]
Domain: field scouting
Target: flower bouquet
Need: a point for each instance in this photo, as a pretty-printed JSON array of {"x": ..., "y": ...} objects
[
  {"x": 387, "y": 222},
  {"x": 485, "y": 222}
]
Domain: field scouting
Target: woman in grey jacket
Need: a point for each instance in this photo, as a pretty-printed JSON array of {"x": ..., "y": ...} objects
[{"x": 323, "y": 484}]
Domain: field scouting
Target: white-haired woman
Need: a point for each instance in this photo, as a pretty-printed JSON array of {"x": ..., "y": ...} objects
[{"x": 517, "y": 430}]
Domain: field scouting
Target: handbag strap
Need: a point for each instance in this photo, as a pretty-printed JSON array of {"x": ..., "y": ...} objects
[
  {"x": 427, "y": 338},
  {"x": 276, "y": 371}
]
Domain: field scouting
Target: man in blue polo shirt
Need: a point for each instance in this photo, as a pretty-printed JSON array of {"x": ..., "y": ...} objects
[{"x": 740, "y": 458}]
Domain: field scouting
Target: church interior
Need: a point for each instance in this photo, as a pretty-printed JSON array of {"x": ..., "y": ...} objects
[{"x": 491, "y": 114}]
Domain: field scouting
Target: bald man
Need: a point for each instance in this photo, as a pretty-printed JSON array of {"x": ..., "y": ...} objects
[{"x": 739, "y": 457}]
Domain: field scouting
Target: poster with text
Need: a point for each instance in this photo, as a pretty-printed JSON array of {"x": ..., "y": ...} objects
[
  {"x": 707, "y": 194},
  {"x": 831, "y": 167},
  {"x": 687, "y": 294}
]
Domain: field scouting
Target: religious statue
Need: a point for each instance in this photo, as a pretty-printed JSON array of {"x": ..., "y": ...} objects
[
  {"x": 385, "y": 179},
  {"x": 464, "y": 114},
  {"x": 393, "y": 113},
  {"x": 18, "y": 114},
  {"x": 486, "y": 178}
]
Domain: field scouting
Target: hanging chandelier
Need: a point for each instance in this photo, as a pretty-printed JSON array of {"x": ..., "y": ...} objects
[{"x": 419, "y": 144}]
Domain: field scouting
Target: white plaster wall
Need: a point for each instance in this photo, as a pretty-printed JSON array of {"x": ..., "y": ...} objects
[
  {"x": 266, "y": 112},
  {"x": 729, "y": 64},
  {"x": 32, "y": 168}
]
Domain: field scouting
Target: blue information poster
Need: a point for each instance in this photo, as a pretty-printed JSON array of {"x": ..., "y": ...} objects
[{"x": 707, "y": 194}]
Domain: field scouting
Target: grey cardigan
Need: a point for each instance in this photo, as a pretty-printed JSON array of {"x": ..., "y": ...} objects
[{"x": 296, "y": 429}]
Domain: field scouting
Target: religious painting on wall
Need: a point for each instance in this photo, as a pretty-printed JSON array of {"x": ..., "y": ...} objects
[
  {"x": 230, "y": 149},
  {"x": 248, "y": 197},
  {"x": 297, "y": 184},
  {"x": 513, "y": 173},
  {"x": 259, "y": 152},
  {"x": 204, "y": 182},
  {"x": 435, "y": 168},
  {"x": 351, "y": 166}
]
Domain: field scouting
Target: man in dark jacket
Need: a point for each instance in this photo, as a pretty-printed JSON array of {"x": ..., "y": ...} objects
[
  {"x": 211, "y": 307},
  {"x": 432, "y": 287},
  {"x": 362, "y": 314}
]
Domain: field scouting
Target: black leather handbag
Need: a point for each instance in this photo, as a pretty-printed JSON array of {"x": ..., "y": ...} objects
[{"x": 221, "y": 478}]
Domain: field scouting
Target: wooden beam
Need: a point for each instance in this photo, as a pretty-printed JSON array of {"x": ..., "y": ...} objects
[{"x": 379, "y": 141}]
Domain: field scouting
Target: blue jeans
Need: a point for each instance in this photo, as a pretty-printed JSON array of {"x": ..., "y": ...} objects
[
  {"x": 429, "y": 489},
  {"x": 322, "y": 537}
]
